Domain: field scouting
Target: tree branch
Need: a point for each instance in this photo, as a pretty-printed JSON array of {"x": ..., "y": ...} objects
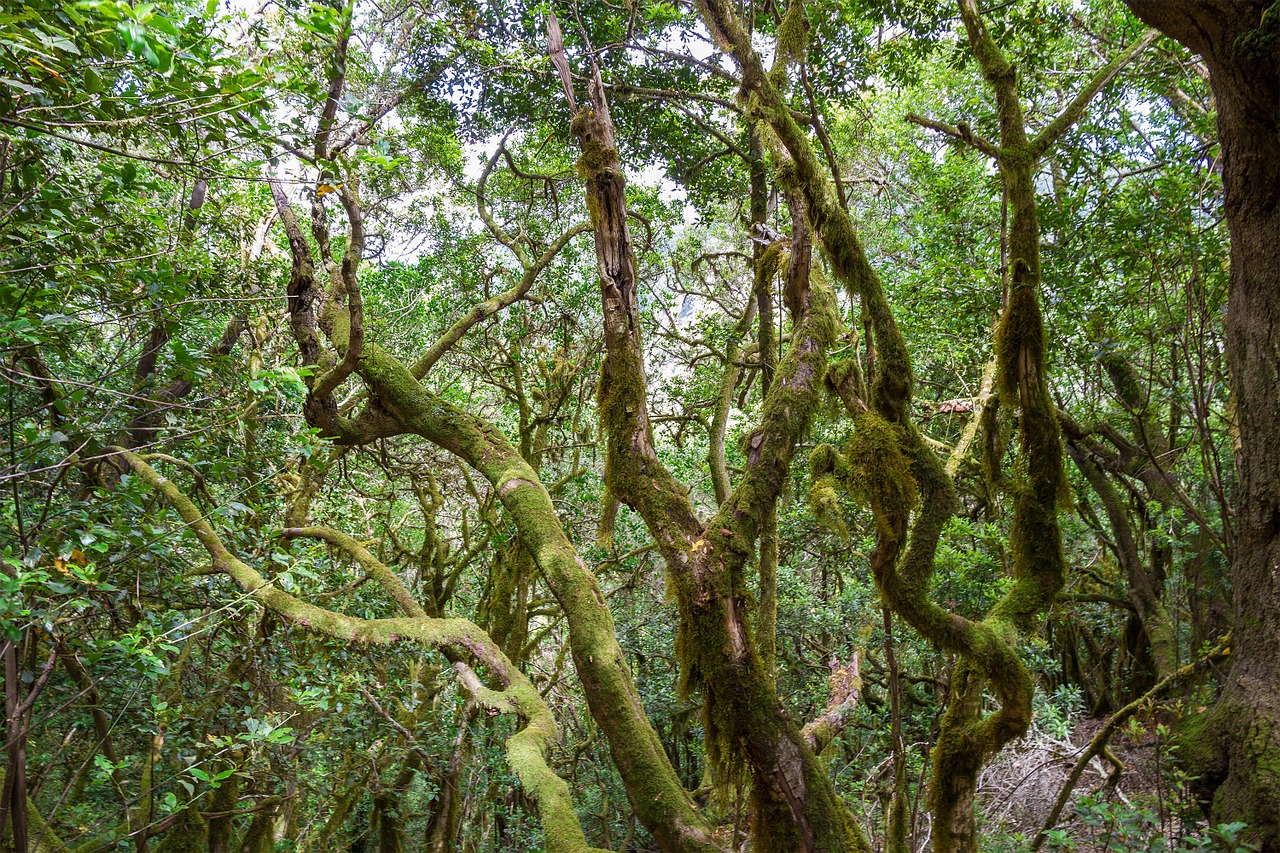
[
  {"x": 1099, "y": 741},
  {"x": 724, "y": 402},
  {"x": 483, "y": 310},
  {"x": 1074, "y": 111},
  {"x": 353, "y": 346},
  {"x": 846, "y": 686},
  {"x": 961, "y": 132},
  {"x": 527, "y": 750},
  {"x": 337, "y": 79}
]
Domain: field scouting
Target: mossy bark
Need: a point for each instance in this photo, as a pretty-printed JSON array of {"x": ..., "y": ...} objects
[
  {"x": 749, "y": 732},
  {"x": 223, "y": 804},
  {"x": 1238, "y": 749},
  {"x": 41, "y": 837},
  {"x": 258, "y": 835},
  {"x": 189, "y": 835},
  {"x": 661, "y": 802},
  {"x": 399, "y": 403},
  {"x": 902, "y": 561},
  {"x": 527, "y": 750}
]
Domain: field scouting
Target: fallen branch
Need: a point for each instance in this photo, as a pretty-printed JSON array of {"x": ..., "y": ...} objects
[{"x": 1099, "y": 743}]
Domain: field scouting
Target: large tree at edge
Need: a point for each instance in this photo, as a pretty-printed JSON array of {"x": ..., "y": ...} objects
[{"x": 1237, "y": 751}]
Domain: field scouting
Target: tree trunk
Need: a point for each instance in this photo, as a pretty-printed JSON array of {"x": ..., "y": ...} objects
[
  {"x": 749, "y": 732},
  {"x": 1238, "y": 750}
]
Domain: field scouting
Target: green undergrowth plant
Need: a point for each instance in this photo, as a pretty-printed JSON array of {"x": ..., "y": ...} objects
[{"x": 1115, "y": 825}]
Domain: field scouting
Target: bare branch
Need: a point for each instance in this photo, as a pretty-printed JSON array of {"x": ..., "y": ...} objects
[
  {"x": 337, "y": 79},
  {"x": 555, "y": 47},
  {"x": 960, "y": 132}
]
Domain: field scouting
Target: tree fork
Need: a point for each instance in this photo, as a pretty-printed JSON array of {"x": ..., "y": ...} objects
[{"x": 796, "y": 807}]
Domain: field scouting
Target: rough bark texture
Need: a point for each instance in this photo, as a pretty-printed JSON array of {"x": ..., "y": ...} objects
[
  {"x": 1035, "y": 542},
  {"x": 795, "y": 807},
  {"x": 1238, "y": 750}
]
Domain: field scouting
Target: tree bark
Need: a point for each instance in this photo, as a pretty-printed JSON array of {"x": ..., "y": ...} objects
[
  {"x": 1237, "y": 752},
  {"x": 749, "y": 732}
]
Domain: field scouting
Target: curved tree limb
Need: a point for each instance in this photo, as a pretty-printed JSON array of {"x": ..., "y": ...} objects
[
  {"x": 1142, "y": 594},
  {"x": 527, "y": 750},
  {"x": 398, "y": 403},
  {"x": 796, "y": 806},
  {"x": 483, "y": 310},
  {"x": 655, "y": 791}
]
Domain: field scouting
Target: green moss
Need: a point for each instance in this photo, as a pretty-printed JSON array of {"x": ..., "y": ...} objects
[
  {"x": 1259, "y": 43},
  {"x": 825, "y": 460},
  {"x": 1124, "y": 378},
  {"x": 258, "y": 838},
  {"x": 825, "y": 502},
  {"x": 793, "y": 41},
  {"x": 189, "y": 835},
  {"x": 608, "y": 516},
  {"x": 844, "y": 380},
  {"x": 1200, "y": 744},
  {"x": 879, "y": 473},
  {"x": 40, "y": 834}
]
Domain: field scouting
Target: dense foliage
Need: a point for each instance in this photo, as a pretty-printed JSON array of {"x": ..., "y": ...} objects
[{"x": 736, "y": 428}]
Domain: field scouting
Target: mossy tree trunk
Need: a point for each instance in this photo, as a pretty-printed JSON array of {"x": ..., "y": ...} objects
[
  {"x": 1237, "y": 752},
  {"x": 890, "y": 465},
  {"x": 749, "y": 733},
  {"x": 399, "y": 403}
]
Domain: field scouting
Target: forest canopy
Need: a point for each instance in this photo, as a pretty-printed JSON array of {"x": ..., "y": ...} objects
[{"x": 824, "y": 425}]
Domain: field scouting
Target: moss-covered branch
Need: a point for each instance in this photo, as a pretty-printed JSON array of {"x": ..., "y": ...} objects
[
  {"x": 796, "y": 807},
  {"x": 348, "y": 287},
  {"x": 903, "y": 564},
  {"x": 724, "y": 402},
  {"x": 527, "y": 750},
  {"x": 845, "y": 684},
  {"x": 1001, "y": 75},
  {"x": 633, "y": 472},
  {"x": 483, "y": 310},
  {"x": 661, "y": 802},
  {"x": 1074, "y": 111},
  {"x": 371, "y": 564},
  {"x": 794, "y": 802}
]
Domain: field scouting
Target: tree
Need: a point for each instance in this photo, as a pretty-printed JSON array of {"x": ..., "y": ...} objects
[
  {"x": 1240, "y": 737},
  {"x": 505, "y": 540}
]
